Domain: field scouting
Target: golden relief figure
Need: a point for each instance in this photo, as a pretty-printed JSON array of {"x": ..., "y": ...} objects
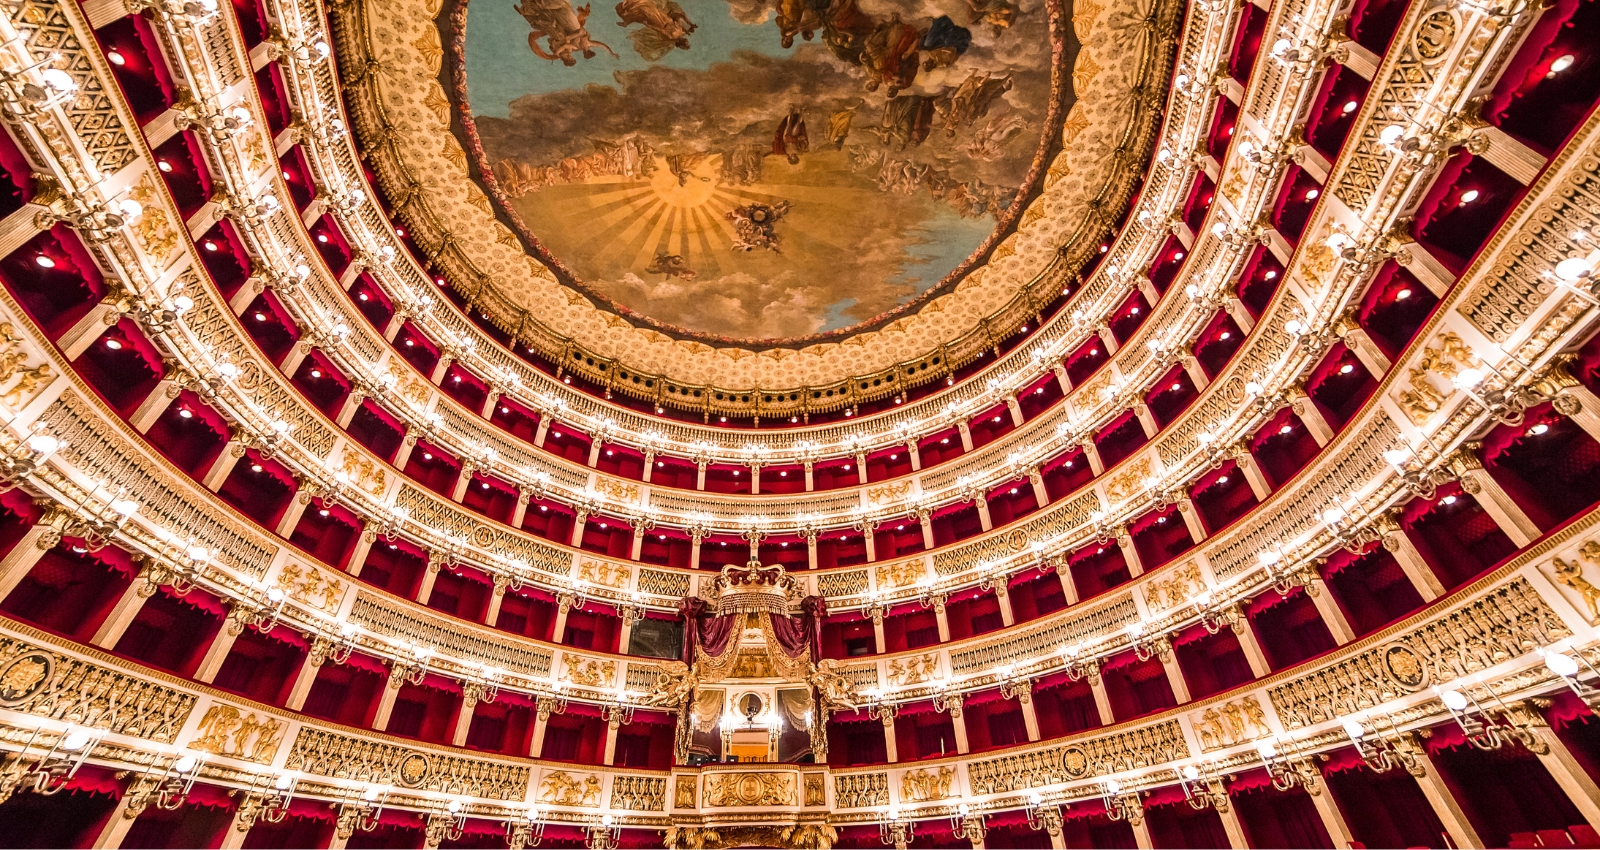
[
  {"x": 1231, "y": 723},
  {"x": 589, "y": 672},
  {"x": 917, "y": 786},
  {"x": 228, "y": 731},
  {"x": 914, "y": 670},
  {"x": 1570, "y": 573},
  {"x": 561, "y": 789}
]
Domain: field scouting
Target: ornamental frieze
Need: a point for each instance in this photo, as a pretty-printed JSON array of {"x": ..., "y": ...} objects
[
  {"x": 728, "y": 790},
  {"x": 859, "y": 790},
  {"x": 322, "y": 752},
  {"x": 1503, "y": 623},
  {"x": 48, "y": 684}
]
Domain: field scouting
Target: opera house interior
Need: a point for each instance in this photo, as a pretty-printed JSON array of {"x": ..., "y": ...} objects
[{"x": 401, "y": 450}]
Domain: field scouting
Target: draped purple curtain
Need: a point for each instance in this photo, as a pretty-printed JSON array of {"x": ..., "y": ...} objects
[
  {"x": 709, "y": 633},
  {"x": 797, "y": 634}
]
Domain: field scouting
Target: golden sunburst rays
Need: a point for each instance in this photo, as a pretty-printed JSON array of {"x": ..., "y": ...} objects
[{"x": 612, "y": 225}]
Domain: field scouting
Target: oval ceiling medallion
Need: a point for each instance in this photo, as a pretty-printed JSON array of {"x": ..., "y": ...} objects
[{"x": 760, "y": 170}]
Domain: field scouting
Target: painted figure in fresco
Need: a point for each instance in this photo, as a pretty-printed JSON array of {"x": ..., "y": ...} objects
[
  {"x": 906, "y": 120},
  {"x": 742, "y": 166},
  {"x": 799, "y": 17},
  {"x": 564, "y": 28},
  {"x": 754, "y": 226},
  {"x": 998, "y": 14},
  {"x": 845, "y": 30},
  {"x": 839, "y": 126},
  {"x": 902, "y": 176},
  {"x": 682, "y": 166},
  {"x": 972, "y": 99},
  {"x": 790, "y": 139},
  {"x": 666, "y": 26},
  {"x": 944, "y": 43},
  {"x": 988, "y": 142},
  {"x": 672, "y": 265},
  {"x": 890, "y": 56}
]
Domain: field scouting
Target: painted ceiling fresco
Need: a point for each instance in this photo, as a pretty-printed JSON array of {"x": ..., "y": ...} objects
[{"x": 762, "y": 169}]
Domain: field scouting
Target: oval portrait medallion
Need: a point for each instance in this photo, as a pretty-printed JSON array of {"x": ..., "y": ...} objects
[{"x": 24, "y": 677}]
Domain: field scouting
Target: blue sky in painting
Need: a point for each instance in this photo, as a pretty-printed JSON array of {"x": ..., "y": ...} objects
[{"x": 501, "y": 68}]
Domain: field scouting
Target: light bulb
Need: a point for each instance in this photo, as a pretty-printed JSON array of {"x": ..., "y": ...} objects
[
  {"x": 284, "y": 781},
  {"x": 58, "y": 81},
  {"x": 75, "y": 740},
  {"x": 1190, "y": 772},
  {"x": 1453, "y": 700},
  {"x": 1352, "y": 727},
  {"x": 1574, "y": 269},
  {"x": 1561, "y": 664}
]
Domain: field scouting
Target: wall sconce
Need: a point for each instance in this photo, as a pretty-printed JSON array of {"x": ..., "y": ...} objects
[
  {"x": 1286, "y": 770},
  {"x": 965, "y": 824},
  {"x": 261, "y": 611},
  {"x": 416, "y": 671},
  {"x": 1077, "y": 666},
  {"x": 604, "y": 834},
  {"x": 1041, "y": 816},
  {"x": 1507, "y": 404},
  {"x": 50, "y": 772},
  {"x": 267, "y": 798},
  {"x": 554, "y": 702},
  {"x": 1381, "y": 752},
  {"x": 25, "y": 99},
  {"x": 526, "y": 830},
  {"x": 446, "y": 824},
  {"x": 170, "y": 790},
  {"x": 1569, "y": 670},
  {"x": 1483, "y": 731},
  {"x": 1202, "y": 790},
  {"x": 892, "y": 831},
  {"x": 1121, "y": 804},
  {"x": 1146, "y": 647},
  {"x": 24, "y": 457},
  {"x": 95, "y": 526},
  {"x": 361, "y": 811}
]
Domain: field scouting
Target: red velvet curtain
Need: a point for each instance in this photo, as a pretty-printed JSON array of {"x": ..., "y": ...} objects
[
  {"x": 711, "y": 632},
  {"x": 797, "y": 634},
  {"x": 708, "y": 632}
]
